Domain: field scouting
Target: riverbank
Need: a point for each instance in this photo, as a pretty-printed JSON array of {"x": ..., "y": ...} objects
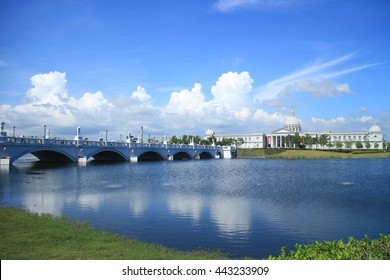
[
  {"x": 27, "y": 236},
  {"x": 309, "y": 154}
]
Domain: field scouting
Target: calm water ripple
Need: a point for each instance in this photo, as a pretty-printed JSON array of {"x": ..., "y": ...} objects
[{"x": 244, "y": 207}]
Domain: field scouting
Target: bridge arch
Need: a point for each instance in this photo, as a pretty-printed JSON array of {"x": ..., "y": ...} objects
[
  {"x": 205, "y": 155},
  {"x": 108, "y": 155},
  {"x": 46, "y": 155},
  {"x": 181, "y": 156},
  {"x": 150, "y": 156}
]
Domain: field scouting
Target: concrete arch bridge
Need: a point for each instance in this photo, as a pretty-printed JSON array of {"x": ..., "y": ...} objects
[{"x": 56, "y": 150}]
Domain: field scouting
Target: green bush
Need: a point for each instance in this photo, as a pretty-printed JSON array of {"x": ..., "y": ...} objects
[{"x": 365, "y": 249}]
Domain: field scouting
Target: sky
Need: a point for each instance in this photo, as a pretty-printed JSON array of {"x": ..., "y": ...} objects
[{"x": 180, "y": 67}]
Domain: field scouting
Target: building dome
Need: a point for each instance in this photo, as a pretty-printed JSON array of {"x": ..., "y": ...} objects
[
  {"x": 292, "y": 123},
  {"x": 209, "y": 133},
  {"x": 375, "y": 129}
]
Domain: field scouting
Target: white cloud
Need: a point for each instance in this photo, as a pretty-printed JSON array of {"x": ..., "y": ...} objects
[
  {"x": 366, "y": 119},
  {"x": 243, "y": 114},
  {"x": 188, "y": 111},
  {"x": 141, "y": 94},
  {"x": 261, "y": 115},
  {"x": 314, "y": 80},
  {"x": 232, "y": 90},
  {"x": 230, "y": 5},
  {"x": 90, "y": 102},
  {"x": 337, "y": 120},
  {"x": 322, "y": 87},
  {"x": 48, "y": 88},
  {"x": 3, "y": 63},
  {"x": 185, "y": 100}
]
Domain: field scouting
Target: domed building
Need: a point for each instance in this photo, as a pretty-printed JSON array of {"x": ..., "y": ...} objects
[
  {"x": 285, "y": 136},
  {"x": 209, "y": 133},
  {"x": 375, "y": 137},
  {"x": 280, "y": 138},
  {"x": 292, "y": 123}
]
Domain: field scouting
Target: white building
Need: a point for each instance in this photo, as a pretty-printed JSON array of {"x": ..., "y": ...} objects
[
  {"x": 250, "y": 140},
  {"x": 282, "y": 137}
]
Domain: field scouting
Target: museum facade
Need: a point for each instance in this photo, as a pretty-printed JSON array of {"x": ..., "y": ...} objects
[{"x": 291, "y": 136}]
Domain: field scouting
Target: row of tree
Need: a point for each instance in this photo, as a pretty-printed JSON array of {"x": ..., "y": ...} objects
[
  {"x": 292, "y": 141},
  {"x": 189, "y": 139},
  {"x": 324, "y": 141}
]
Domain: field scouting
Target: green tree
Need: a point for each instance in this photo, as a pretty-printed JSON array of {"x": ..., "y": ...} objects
[
  {"x": 359, "y": 144},
  {"x": 197, "y": 139},
  {"x": 185, "y": 139},
  {"x": 348, "y": 144},
  {"x": 174, "y": 140},
  {"x": 290, "y": 141},
  {"x": 308, "y": 139},
  {"x": 297, "y": 140},
  {"x": 315, "y": 141},
  {"x": 339, "y": 145},
  {"x": 324, "y": 138}
]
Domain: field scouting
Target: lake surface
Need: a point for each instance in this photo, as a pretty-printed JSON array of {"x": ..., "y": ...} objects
[{"x": 243, "y": 207}]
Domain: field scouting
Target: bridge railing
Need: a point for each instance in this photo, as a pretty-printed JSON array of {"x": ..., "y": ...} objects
[{"x": 78, "y": 143}]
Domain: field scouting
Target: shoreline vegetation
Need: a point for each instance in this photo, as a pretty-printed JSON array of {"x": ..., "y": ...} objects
[
  {"x": 281, "y": 153},
  {"x": 27, "y": 236}
]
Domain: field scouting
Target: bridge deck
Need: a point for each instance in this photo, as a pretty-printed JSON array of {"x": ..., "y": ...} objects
[{"x": 52, "y": 149}]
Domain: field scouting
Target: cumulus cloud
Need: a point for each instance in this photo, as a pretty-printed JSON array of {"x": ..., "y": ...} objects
[
  {"x": 48, "y": 88},
  {"x": 186, "y": 100},
  {"x": 265, "y": 117},
  {"x": 230, "y": 107},
  {"x": 141, "y": 94},
  {"x": 232, "y": 89}
]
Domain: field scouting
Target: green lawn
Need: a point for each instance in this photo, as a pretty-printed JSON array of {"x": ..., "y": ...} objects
[
  {"x": 43, "y": 237},
  {"x": 310, "y": 154}
]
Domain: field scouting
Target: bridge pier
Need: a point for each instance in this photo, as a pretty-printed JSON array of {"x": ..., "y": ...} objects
[
  {"x": 197, "y": 157},
  {"x": 5, "y": 161},
  {"x": 82, "y": 159},
  {"x": 169, "y": 157},
  {"x": 133, "y": 159}
]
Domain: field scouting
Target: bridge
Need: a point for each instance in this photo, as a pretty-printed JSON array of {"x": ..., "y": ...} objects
[{"x": 81, "y": 150}]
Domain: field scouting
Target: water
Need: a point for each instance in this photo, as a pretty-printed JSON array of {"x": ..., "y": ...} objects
[{"x": 243, "y": 207}]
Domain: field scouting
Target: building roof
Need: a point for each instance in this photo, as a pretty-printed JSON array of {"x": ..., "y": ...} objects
[{"x": 375, "y": 129}]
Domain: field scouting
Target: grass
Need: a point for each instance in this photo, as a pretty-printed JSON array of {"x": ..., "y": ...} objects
[
  {"x": 309, "y": 154},
  {"x": 27, "y": 236}
]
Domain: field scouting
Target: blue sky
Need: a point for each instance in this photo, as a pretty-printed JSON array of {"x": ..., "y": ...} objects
[{"x": 181, "y": 67}]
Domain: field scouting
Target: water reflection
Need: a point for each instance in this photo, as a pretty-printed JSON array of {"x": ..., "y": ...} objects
[
  {"x": 247, "y": 207},
  {"x": 232, "y": 216},
  {"x": 185, "y": 205},
  {"x": 138, "y": 202}
]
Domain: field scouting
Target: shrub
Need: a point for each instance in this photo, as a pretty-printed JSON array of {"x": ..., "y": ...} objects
[{"x": 365, "y": 249}]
